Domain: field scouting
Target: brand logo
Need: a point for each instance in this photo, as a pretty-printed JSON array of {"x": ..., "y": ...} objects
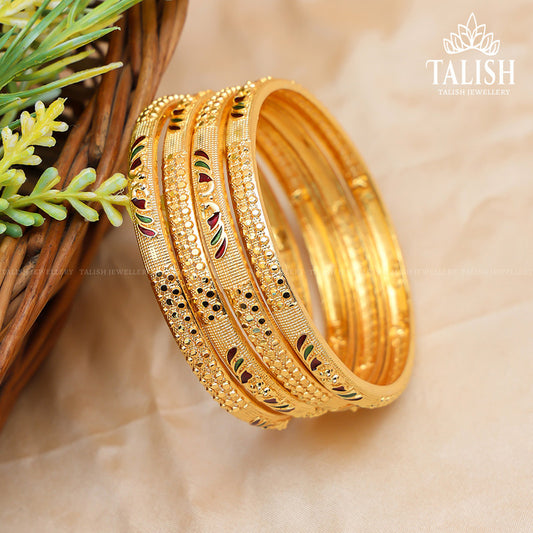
[{"x": 472, "y": 75}]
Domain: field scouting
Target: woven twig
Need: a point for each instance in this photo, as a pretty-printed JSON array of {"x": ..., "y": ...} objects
[{"x": 40, "y": 273}]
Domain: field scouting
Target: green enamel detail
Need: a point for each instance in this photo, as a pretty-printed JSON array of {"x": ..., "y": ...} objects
[
  {"x": 238, "y": 363},
  {"x": 202, "y": 164},
  {"x": 308, "y": 350},
  {"x": 146, "y": 220},
  {"x": 176, "y": 120},
  {"x": 239, "y": 106},
  {"x": 282, "y": 406},
  {"x": 217, "y": 236},
  {"x": 136, "y": 150}
]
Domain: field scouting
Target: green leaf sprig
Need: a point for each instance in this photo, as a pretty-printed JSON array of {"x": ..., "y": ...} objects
[
  {"x": 41, "y": 39},
  {"x": 43, "y": 47},
  {"x": 18, "y": 149}
]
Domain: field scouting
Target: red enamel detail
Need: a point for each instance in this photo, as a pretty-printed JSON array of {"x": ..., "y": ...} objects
[
  {"x": 315, "y": 363},
  {"x": 201, "y": 153},
  {"x": 137, "y": 141},
  {"x": 146, "y": 231},
  {"x": 213, "y": 219},
  {"x": 300, "y": 342},
  {"x": 139, "y": 203},
  {"x": 221, "y": 249},
  {"x": 135, "y": 164},
  {"x": 231, "y": 354}
]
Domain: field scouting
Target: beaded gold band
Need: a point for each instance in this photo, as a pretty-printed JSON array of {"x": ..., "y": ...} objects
[{"x": 226, "y": 268}]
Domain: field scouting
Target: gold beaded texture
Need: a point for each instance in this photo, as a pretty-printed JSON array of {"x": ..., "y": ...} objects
[{"x": 226, "y": 268}]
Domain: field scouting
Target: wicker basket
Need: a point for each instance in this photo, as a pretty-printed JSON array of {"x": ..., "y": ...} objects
[{"x": 41, "y": 272}]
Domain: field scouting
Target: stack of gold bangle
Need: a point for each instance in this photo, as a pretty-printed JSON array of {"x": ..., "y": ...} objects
[{"x": 226, "y": 268}]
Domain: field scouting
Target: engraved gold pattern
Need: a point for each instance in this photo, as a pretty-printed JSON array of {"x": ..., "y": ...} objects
[{"x": 214, "y": 264}]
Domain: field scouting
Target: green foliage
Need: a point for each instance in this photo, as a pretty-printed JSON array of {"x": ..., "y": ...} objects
[
  {"x": 42, "y": 43},
  {"x": 16, "y": 209}
]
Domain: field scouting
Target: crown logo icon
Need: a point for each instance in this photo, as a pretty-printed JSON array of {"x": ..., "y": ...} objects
[{"x": 472, "y": 37}]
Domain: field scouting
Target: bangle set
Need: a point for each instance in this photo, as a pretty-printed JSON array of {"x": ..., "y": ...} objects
[{"x": 215, "y": 234}]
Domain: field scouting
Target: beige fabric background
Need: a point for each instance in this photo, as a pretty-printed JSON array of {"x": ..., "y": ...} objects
[{"x": 114, "y": 434}]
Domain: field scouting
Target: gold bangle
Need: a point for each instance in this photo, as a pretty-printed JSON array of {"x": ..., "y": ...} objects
[
  {"x": 237, "y": 271},
  {"x": 166, "y": 278},
  {"x": 294, "y": 322},
  {"x": 202, "y": 240},
  {"x": 232, "y": 272}
]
